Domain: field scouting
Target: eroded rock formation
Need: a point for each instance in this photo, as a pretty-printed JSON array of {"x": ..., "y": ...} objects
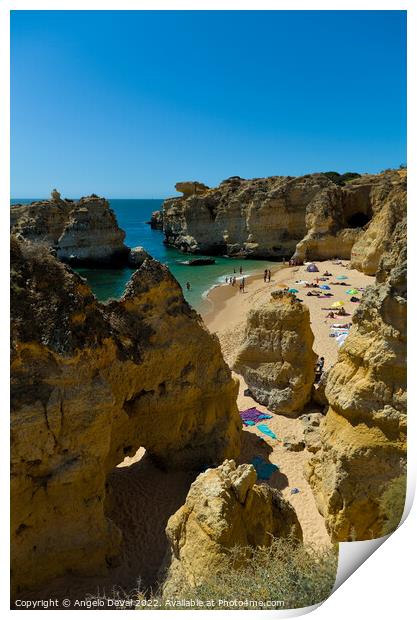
[
  {"x": 84, "y": 231},
  {"x": 156, "y": 220},
  {"x": 91, "y": 383},
  {"x": 363, "y": 436},
  {"x": 308, "y": 217},
  {"x": 137, "y": 256},
  {"x": 388, "y": 199},
  {"x": 224, "y": 508},
  {"x": 189, "y": 188},
  {"x": 276, "y": 358}
]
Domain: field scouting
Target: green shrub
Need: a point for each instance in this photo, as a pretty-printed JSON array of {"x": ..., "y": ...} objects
[
  {"x": 341, "y": 179},
  {"x": 392, "y": 503},
  {"x": 287, "y": 572}
]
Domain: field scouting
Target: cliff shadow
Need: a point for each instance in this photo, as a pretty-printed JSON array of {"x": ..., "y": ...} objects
[
  {"x": 253, "y": 445},
  {"x": 140, "y": 499}
]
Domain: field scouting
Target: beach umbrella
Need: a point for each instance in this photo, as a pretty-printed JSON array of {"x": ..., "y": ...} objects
[
  {"x": 325, "y": 287},
  {"x": 341, "y": 277},
  {"x": 292, "y": 290},
  {"x": 338, "y": 304},
  {"x": 352, "y": 291}
]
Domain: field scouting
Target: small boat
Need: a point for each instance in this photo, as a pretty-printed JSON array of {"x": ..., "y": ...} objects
[{"x": 196, "y": 262}]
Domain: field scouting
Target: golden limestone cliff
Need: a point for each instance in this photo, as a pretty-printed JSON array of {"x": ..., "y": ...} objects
[
  {"x": 91, "y": 383},
  {"x": 223, "y": 509},
  {"x": 363, "y": 436},
  {"x": 276, "y": 358},
  {"x": 81, "y": 232},
  {"x": 389, "y": 203},
  {"x": 313, "y": 217}
]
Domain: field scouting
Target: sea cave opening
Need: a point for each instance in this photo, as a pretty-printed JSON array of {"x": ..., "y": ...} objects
[{"x": 358, "y": 220}]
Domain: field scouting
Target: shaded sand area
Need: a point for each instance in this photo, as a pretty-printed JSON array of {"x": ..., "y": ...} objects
[
  {"x": 227, "y": 318},
  {"x": 140, "y": 498}
]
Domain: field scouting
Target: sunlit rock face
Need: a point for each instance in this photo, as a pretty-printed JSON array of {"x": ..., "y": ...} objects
[
  {"x": 363, "y": 436},
  {"x": 306, "y": 218},
  {"x": 276, "y": 357},
  {"x": 82, "y": 232},
  {"x": 91, "y": 383},
  {"x": 224, "y": 508}
]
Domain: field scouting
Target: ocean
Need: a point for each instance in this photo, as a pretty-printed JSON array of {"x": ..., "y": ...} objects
[{"x": 132, "y": 215}]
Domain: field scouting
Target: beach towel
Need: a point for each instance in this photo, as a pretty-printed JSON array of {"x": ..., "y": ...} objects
[
  {"x": 341, "y": 339},
  {"x": 264, "y": 470},
  {"x": 335, "y": 333},
  {"x": 294, "y": 491},
  {"x": 253, "y": 415},
  {"x": 266, "y": 430}
]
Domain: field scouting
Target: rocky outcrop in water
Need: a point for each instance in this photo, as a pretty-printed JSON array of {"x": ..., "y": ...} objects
[
  {"x": 276, "y": 358},
  {"x": 224, "y": 508},
  {"x": 91, "y": 383},
  {"x": 82, "y": 232},
  {"x": 156, "y": 220},
  {"x": 307, "y": 218},
  {"x": 363, "y": 436},
  {"x": 137, "y": 256}
]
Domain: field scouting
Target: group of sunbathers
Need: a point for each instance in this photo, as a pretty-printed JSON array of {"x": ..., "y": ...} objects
[
  {"x": 319, "y": 294},
  {"x": 337, "y": 312}
]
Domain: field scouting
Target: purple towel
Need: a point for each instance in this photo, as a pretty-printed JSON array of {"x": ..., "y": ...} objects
[{"x": 253, "y": 415}]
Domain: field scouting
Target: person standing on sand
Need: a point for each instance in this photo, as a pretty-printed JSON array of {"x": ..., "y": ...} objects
[
  {"x": 319, "y": 369},
  {"x": 269, "y": 275},
  {"x": 243, "y": 285},
  {"x": 240, "y": 270},
  {"x": 265, "y": 274}
]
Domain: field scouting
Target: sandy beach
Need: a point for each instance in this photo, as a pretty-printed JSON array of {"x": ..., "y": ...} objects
[{"x": 227, "y": 318}]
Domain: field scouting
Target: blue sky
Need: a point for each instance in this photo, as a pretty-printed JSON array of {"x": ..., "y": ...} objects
[{"x": 125, "y": 104}]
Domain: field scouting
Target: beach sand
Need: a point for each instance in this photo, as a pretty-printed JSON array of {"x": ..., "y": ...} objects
[{"x": 227, "y": 318}]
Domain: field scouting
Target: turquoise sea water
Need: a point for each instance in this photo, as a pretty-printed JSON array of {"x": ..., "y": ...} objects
[{"x": 132, "y": 215}]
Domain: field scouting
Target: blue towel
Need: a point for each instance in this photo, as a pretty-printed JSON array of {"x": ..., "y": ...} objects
[
  {"x": 264, "y": 470},
  {"x": 266, "y": 430},
  {"x": 250, "y": 423}
]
